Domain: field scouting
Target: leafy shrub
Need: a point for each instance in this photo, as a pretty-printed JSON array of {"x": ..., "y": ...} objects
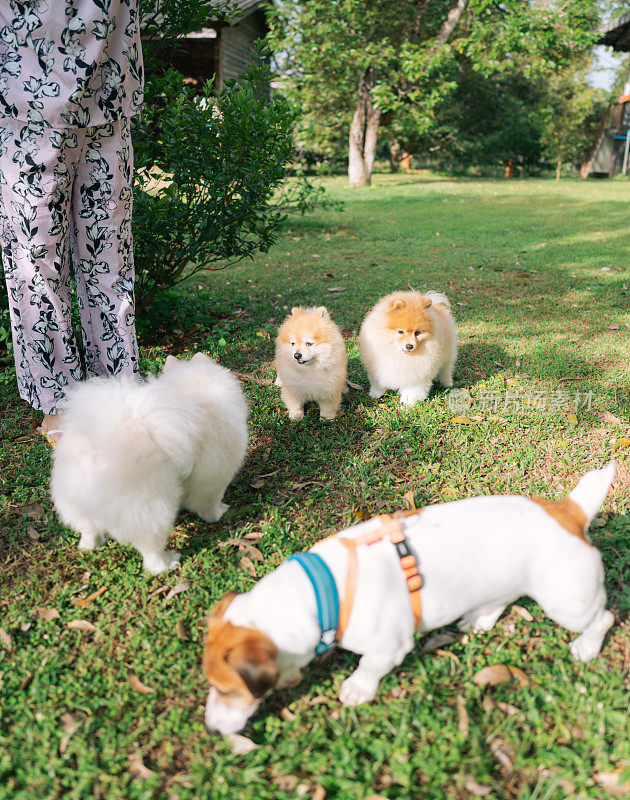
[{"x": 208, "y": 173}]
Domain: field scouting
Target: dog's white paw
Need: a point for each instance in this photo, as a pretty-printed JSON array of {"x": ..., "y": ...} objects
[
  {"x": 89, "y": 541},
  {"x": 296, "y": 416},
  {"x": 216, "y": 514},
  {"x": 277, "y": 381},
  {"x": 376, "y": 392},
  {"x": 583, "y": 651},
  {"x": 155, "y": 563},
  {"x": 356, "y": 690}
]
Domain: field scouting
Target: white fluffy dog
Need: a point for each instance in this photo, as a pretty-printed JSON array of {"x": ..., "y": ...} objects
[
  {"x": 407, "y": 340},
  {"x": 132, "y": 454}
]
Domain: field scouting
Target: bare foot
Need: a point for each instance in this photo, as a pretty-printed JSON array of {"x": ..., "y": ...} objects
[{"x": 51, "y": 426}]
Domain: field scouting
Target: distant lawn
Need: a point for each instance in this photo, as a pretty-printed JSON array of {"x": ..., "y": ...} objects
[{"x": 538, "y": 274}]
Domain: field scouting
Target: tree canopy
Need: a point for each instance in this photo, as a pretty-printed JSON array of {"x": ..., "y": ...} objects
[{"x": 395, "y": 67}]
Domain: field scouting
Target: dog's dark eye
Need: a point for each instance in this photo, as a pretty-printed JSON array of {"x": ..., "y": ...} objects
[
  {"x": 292, "y": 344},
  {"x": 417, "y": 333},
  {"x": 309, "y": 344},
  {"x": 401, "y": 332}
]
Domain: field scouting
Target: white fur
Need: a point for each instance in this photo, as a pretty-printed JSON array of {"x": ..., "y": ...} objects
[
  {"x": 412, "y": 375},
  {"x": 475, "y": 556},
  {"x": 133, "y": 454}
]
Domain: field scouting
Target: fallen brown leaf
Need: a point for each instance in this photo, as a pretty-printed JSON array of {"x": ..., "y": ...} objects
[
  {"x": 177, "y": 589},
  {"x": 81, "y": 625},
  {"x": 138, "y": 686},
  {"x": 463, "y": 723},
  {"x": 46, "y": 613},
  {"x": 448, "y": 654},
  {"x": 137, "y": 768},
  {"x": 612, "y": 783},
  {"x": 180, "y": 630},
  {"x": 410, "y": 500},
  {"x": 336, "y": 289},
  {"x": 571, "y": 378},
  {"x": 32, "y": 533},
  {"x": 499, "y": 673},
  {"x": 243, "y": 376},
  {"x": 286, "y": 783},
  {"x": 508, "y": 709},
  {"x": 84, "y": 602},
  {"x": 71, "y": 721},
  {"x": 248, "y": 564},
  {"x": 438, "y": 640},
  {"x": 503, "y": 754},
  {"x": 613, "y": 327},
  {"x": 319, "y": 793},
  {"x": 32, "y": 511},
  {"x": 462, "y": 421},
  {"x": 621, "y": 443},
  {"x": 356, "y": 386},
  {"x": 477, "y": 789},
  {"x": 523, "y": 612},
  {"x": 7, "y": 641},
  {"x": 241, "y": 744},
  {"x": 257, "y": 483},
  {"x": 608, "y": 417}
]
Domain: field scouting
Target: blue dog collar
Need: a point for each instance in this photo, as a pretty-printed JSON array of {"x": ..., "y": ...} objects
[{"x": 326, "y": 596}]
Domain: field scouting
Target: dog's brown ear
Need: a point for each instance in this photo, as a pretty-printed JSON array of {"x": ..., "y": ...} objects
[
  {"x": 323, "y": 312},
  {"x": 426, "y": 302},
  {"x": 218, "y": 610},
  {"x": 170, "y": 362},
  {"x": 254, "y": 660},
  {"x": 397, "y": 304}
]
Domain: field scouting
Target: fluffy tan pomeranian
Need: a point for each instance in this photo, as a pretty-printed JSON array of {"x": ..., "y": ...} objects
[
  {"x": 406, "y": 341},
  {"x": 311, "y": 362}
]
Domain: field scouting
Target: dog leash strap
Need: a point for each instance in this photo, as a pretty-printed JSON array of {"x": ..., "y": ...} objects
[{"x": 326, "y": 597}]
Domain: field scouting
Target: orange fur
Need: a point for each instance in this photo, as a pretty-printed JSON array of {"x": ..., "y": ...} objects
[
  {"x": 240, "y": 663},
  {"x": 568, "y": 514},
  {"x": 306, "y": 325}
]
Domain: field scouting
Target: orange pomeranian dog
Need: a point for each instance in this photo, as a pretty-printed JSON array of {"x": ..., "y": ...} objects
[
  {"x": 406, "y": 341},
  {"x": 311, "y": 362}
]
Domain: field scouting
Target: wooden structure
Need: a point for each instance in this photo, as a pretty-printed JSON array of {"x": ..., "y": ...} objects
[
  {"x": 608, "y": 154},
  {"x": 222, "y": 50}
]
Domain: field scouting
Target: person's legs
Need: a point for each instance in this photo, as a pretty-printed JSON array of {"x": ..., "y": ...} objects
[
  {"x": 102, "y": 250},
  {"x": 36, "y": 175}
]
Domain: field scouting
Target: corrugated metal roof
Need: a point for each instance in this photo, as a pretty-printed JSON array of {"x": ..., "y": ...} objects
[{"x": 616, "y": 34}]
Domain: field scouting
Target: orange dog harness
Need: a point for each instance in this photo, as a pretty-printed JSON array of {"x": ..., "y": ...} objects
[{"x": 390, "y": 528}]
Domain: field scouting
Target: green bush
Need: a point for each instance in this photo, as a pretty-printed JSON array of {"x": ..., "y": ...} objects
[{"x": 209, "y": 169}]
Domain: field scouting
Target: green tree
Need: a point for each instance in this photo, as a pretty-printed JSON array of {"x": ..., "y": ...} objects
[
  {"x": 572, "y": 112},
  {"x": 359, "y": 63}
]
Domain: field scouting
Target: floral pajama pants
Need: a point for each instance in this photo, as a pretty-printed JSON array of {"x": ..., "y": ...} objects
[{"x": 65, "y": 199}]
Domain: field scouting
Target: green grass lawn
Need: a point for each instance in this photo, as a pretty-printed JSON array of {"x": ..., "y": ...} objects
[{"x": 537, "y": 272}]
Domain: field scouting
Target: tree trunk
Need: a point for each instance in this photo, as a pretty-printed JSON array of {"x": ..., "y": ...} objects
[
  {"x": 448, "y": 26},
  {"x": 363, "y": 133},
  {"x": 405, "y": 160},
  {"x": 509, "y": 169},
  {"x": 558, "y": 166}
]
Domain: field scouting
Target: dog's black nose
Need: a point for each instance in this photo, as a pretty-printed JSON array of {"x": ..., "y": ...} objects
[
  {"x": 409, "y": 346},
  {"x": 297, "y": 356}
]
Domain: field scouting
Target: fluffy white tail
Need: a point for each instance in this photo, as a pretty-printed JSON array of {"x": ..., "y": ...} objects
[
  {"x": 438, "y": 297},
  {"x": 592, "y": 489}
]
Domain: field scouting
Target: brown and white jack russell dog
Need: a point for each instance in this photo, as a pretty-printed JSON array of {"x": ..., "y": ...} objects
[{"x": 475, "y": 556}]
